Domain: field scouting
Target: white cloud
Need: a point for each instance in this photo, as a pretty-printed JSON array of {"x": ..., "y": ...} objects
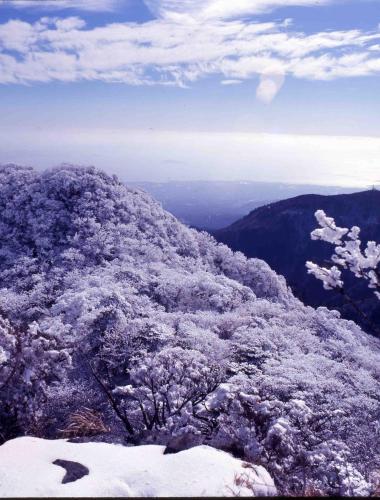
[
  {"x": 231, "y": 82},
  {"x": 181, "y": 50},
  {"x": 70, "y": 23}
]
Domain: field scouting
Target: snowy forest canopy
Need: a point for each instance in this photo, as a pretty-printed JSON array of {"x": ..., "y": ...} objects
[{"x": 115, "y": 314}]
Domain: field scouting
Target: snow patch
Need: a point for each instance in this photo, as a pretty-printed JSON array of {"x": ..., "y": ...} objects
[{"x": 27, "y": 470}]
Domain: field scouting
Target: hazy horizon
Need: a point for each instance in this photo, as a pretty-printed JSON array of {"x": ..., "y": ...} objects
[{"x": 165, "y": 156}]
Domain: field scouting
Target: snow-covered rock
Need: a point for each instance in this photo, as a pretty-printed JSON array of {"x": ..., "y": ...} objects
[{"x": 27, "y": 470}]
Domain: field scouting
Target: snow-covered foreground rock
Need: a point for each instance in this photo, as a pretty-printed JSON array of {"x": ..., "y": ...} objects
[{"x": 27, "y": 470}]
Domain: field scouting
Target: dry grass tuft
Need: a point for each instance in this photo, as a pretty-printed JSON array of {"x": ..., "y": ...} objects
[{"x": 84, "y": 422}]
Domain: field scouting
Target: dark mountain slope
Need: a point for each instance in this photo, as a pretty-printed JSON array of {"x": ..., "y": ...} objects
[{"x": 279, "y": 233}]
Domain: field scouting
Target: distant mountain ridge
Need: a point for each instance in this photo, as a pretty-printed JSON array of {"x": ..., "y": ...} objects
[
  {"x": 212, "y": 205},
  {"x": 279, "y": 233}
]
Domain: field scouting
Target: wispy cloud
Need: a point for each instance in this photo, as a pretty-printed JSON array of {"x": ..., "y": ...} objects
[
  {"x": 223, "y": 9},
  {"x": 231, "y": 82},
  {"x": 180, "y": 50},
  {"x": 85, "y": 5}
]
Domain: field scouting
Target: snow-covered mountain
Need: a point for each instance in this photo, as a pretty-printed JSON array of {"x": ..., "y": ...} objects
[{"x": 119, "y": 321}]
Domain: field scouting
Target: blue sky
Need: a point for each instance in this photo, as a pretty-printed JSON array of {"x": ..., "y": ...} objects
[{"x": 283, "y": 90}]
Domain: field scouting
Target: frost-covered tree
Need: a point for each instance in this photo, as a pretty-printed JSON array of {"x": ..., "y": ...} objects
[
  {"x": 169, "y": 391},
  {"x": 349, "y": 254},
  {"x": 30, "y": 361},
  {"x": 291, "y": 440}
]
